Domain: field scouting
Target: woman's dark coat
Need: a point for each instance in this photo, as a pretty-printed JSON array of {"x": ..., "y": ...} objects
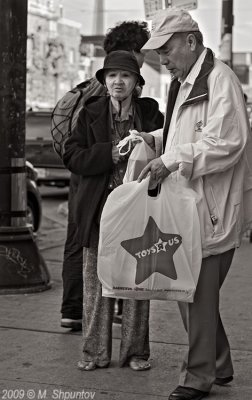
[{"x": 88, "y": 153}]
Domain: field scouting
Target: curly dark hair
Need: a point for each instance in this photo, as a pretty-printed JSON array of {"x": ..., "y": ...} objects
[{"x": 127, "y": 35}]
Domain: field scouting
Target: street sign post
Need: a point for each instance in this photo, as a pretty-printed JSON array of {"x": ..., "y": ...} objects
[{"x": 226, "y": 53}]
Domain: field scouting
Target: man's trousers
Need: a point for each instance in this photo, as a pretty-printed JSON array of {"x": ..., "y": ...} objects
[{"x": 209, "y": 355}]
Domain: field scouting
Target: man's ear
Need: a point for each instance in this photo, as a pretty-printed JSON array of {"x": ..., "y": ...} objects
[{"x": 191, "y": 41}]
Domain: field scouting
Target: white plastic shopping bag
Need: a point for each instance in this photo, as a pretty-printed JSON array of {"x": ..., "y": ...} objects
[
  {"x": 150, "y": 247},
  {"x": 140, "y": 156}
]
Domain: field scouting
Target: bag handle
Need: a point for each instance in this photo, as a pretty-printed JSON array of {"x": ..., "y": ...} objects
[
  {"x": 153, "y": 193},
  {"x": 132, "y": 137}
]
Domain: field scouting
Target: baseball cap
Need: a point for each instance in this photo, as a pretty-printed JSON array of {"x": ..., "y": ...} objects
[
  {"x": 165, "y": 23},
  {"x": 120, "y": 59}
]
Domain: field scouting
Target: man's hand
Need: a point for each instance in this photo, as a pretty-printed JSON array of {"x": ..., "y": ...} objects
[{"x": 158, "y": 172}]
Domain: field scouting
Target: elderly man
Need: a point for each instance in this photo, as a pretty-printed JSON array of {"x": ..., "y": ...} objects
[{"x": 204, "y": 141}]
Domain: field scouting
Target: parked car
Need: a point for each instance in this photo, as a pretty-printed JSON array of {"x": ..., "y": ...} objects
[
  {"x": 40, "y": 152},
  {"x": 34, "y": 208}
]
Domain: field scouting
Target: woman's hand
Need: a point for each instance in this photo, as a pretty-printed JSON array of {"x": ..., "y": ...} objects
[
  {"x": 115, "y": 154},
  {"x": 149, "y": 139}
]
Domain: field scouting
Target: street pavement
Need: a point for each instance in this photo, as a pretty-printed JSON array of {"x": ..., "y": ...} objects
[{"x": 38, "y": 358}]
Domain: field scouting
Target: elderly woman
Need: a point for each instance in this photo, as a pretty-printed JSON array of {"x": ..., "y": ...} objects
[{"x": 91, "y": 152}]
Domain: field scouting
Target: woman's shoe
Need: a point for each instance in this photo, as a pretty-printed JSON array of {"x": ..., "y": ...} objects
[
  {"x": 91, "y": 365},
  {"x": 86, "y": 365},
  {"x": 139, "y": 364}
]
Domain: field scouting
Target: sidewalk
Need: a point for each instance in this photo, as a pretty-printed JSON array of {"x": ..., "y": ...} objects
[{"x": 38, "y": 357}]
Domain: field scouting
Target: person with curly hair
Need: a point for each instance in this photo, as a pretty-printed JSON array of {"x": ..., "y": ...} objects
[{"x": 129, "y": 36}]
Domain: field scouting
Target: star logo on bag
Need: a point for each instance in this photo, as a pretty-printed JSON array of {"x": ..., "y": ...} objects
[{"x": 154, "y": 252}]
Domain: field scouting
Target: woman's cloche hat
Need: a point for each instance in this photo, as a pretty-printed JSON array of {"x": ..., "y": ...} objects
[{"x": 120, "y": 59}]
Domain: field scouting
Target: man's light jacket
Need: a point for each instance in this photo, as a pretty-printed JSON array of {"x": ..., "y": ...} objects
[{"x": 209, "y": 153}]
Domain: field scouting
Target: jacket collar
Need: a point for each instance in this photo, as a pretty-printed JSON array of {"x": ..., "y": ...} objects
[
  {"x": 173, "y": 92},
  {"x": 195, "y": 70},
  {"x": 198, "y": 93},
  {"x": 199, "y": 90},
  {"x": 99, "y": 111}
]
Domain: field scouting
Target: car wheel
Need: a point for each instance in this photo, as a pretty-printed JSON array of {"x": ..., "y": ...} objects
[{"x": 31, "y": 217}]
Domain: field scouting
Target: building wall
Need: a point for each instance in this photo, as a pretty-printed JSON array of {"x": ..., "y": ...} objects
[
  {"x": 52, "y": 53},
  {"x": 69, "y": 35},
  {"x": 38, "y": 31}
]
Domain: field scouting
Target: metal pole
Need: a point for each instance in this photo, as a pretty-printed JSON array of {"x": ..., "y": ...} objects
[
  {"x": 98, "y": 23},
  {"x": 168, "y": 3},
  {"x": 21, "y": 266},
  {"x": 226, "y": 52}
]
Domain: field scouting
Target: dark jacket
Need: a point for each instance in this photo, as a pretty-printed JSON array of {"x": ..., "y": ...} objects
[{"x": 88, "y": 153}]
